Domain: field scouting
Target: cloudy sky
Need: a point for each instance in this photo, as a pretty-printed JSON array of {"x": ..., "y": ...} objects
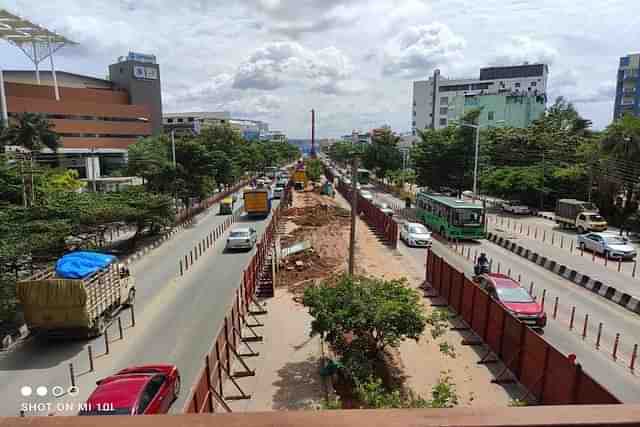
[{"x": 352, "y": 60}]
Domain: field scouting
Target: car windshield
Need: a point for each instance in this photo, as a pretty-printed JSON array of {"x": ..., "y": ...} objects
[
  {"x": 468, "y": 216},
  {"x": 239, "y": 234},
  {"x": 418, "y": 229},
  {"x": 615, "y": 240},
  {"x": 114, "y": 411},
  {"x": 595, "y": 217},
  {"x": 514, "y": 295}
]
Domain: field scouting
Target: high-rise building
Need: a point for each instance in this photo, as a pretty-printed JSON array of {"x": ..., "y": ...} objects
[
  {"x": 628, "y": 87},
  {"x": 438, "y": 100}
]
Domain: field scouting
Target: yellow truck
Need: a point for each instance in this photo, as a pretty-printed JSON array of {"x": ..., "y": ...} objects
[
  {"x": 77, "y": 300},
  {"x": 300, "y": 180},
  {"x": 257, "y": 202}
]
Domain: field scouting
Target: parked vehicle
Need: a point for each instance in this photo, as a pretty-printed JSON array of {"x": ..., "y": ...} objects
[
  {"x": 384, "y": 208},
  {"x": 451, "y": 217},
  {"x": 513, "y": 297},
  {"x": 278, "y": 191},
  {"x": 608, "y": 245},
  {"x": 257, "y": 202},
  {"x": 366, "y": 195},
  {"x": 415, "y": 234},
  {"x": 78, "y": 297},
  {"x": 226, "y": 206},
  {"x": 242, "y": 238},
  {"x": 581, "y": 215},
  {"x": 516, "y": 208},
  {"x": 141, "y": 390},
  {"x": 300, "y": 179}
]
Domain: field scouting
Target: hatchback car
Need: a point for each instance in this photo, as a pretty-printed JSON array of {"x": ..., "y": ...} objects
[
  {"x": 141, "y": 390},
  {"x": 516, "y": 208},
  {"x": 608, "y": 245},
  {"x": 242, "y": 238},
  {"x": 514, "y": 298},
  {"x": 415, "y": 234}
]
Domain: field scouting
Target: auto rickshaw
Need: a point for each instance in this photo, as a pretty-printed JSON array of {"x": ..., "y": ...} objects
[{"x": 226, "y": 206}]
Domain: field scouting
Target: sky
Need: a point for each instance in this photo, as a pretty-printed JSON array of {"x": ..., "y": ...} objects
[{"x": 353, "y": 61}]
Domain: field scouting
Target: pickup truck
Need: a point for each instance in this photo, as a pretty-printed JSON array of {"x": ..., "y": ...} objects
[
  {"x": 583, "y": 216},
  {"x": 78, "y": 297}
]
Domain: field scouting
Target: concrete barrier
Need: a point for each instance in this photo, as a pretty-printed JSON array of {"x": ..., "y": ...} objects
[{"x": 625, "y": 300}]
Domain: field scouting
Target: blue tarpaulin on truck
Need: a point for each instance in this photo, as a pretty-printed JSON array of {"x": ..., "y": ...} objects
[{"x": 80, "y": 264}]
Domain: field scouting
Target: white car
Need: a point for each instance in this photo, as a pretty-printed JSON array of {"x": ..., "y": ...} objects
[
  {"x": 366, "y": 195},
  {"x": 416, "y": 235},
  {"x": 384, "y": 208},
  {"x": 608, "y": 245},
  {"x": 242, "y": 238},
  {"x": 516, "y": 208}
]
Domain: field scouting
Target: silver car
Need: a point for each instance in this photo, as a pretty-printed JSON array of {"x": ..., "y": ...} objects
[
  {"x": 415, "y": 234},
  {"x": 609, "y": 245},
  {"x": 242, "y": 238}
]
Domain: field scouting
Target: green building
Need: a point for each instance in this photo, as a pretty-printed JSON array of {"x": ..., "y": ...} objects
[{"x": 513, "y": 110}]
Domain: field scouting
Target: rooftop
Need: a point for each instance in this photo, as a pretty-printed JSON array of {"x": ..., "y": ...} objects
[{"x": 450, "y": 201}]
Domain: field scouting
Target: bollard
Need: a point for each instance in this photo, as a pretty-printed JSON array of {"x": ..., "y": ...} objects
[
  {"x": 553, "y": 238},
  {"x": 133, "y": 317},
  {"x": 616, "y": 343},
  {"x": 555, "y": 308},
  {"x": 606, "y": 259},
  {"x": 634, "y": 356},
  {"x": 498, "y": 267},
  {"x": 619, "y": 264},
  {"x": 544, "y": 294},
  {"x": 519, "y": 278},
  {"x": 106, "y": 341},
  {"x": 120, "y": 328},
  {"x": 544, "y": 235},
  {"x": 520, "y": 228},
  {"x": 599, "y": 336},
  {"x": 593, "y": 256},
  {"x": 573, "y": 315},
  {"x": 584, "y": 327},
  {"x": 531, "y": 288},
  {"x": 571, "y": 250},
  {"x": 71, "y": 374},
  {"x": 186, "y": 262},
  {"x": 191, "y": 255},
  {"x": 633, "y": 273},
  {"x": 535, "y": 234},
  {"x": 181, "y": 271},
  {"x": 561, "y": 242},
  {"x": 475, "y": 257},
  {"x": 90, "y": 351},
  {"x": 528, "y": 230},
  {"x": 509, "y": 273}
]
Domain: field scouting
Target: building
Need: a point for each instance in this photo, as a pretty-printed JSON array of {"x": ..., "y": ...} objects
[
  {"x": 97, "y": 119},
  {"x": 194, "y": 122},
  {"x": 628, "y": 87},
  {"x": 514, "y": 110},
  {"x": 434, "y": 100}
]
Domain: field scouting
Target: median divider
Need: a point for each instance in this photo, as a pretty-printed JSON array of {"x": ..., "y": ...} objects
[
  {"x": 208, "y": 394},
  {"x": 630, "y": 302},
  {"x": 549, "y": 376}
]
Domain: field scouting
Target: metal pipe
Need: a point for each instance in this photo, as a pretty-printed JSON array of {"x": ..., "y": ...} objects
[
  {"x": 3, "y": 99},
  {"x": 53, "y": 70}
]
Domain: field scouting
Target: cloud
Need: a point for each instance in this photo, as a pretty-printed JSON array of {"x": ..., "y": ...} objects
[
  {"x": 288, "y": 63},
  {"x": 418, "y": 49},
  {"x": 606, "y": 92},
  {"x": 522, "y": 49}
]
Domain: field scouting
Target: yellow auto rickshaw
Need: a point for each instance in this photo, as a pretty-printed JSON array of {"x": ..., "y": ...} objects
[{"x": 226, "y": 206}]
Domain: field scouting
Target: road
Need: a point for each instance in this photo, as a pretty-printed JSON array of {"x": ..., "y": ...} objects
[
  {"x": 176, "y": 321},
  {"x": 598, "y": 363}
]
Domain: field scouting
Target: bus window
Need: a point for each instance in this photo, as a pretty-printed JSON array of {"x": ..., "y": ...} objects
[{"x": 468, "y": 217}]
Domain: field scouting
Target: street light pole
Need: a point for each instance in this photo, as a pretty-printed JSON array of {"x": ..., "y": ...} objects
[
  {"x": 173, "y": 146},
  {"x": 354, "y": 214},
  {"x": 475, "y": 165}
]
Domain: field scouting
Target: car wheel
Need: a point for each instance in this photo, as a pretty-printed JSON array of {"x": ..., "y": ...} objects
[{"x": 176, "y": 388}]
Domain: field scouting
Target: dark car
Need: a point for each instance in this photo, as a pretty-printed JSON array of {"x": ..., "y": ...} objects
[{"x": 516, "y": 299}]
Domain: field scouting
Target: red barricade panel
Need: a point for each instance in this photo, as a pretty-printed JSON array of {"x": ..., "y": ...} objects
[
  {"x": 592, "y": 393},
  {"x": 480, "y": 306},
  {"x": 437, "y": 273},
  {"x": 495, "y": 326},
  {"x": 429, "y": 269},
  {"x": 201, "y": 390},
  {"x": 532, "y": 364},
  {"x": 511, "y": 345},
  {"x": 456, "y": 291},
  {"x": 467, "y": 300},
  {"x": 560, "y": 380},
  {"x": 446, "y": 280}
]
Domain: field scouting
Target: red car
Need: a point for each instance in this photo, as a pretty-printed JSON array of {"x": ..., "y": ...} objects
[
  {"x": 514, "y": 298},
  {"x": 141, "y": 390}
]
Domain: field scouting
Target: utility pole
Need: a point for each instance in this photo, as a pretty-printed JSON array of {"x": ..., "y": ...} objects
[
  {"x": 173, "y": 146},
  {"x": 354, "y": 214},
  {"x": 542, "y": 187},
  {"x": 313, "y": 134}
]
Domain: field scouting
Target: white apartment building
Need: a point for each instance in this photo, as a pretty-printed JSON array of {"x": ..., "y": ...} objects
[{"x": 433, "y": 99}]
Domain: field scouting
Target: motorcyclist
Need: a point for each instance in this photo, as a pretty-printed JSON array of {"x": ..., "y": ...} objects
[{"x": 482, "y": 264}]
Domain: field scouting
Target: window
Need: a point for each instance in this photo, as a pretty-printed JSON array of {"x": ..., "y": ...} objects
[
  {"x": 413, "y": 123},
  {"x": 121, "y": 70},
  {"x": 443, "y": 122},
  {"x": 444, "y": 100},
  {"x": 490, "y": 115},
  {"x": 444, "y": 110},
  {"x": 534, "y": 84},
  {"x": 180, "y": 120},
  {"x": 190, "y": 119},
  {"x": 517, "y": 84},
  {"x": 624, "y": 61},
  {"x": 150, "y": 392},
  {"x": 169, "y": 120},
  {"x": 414, "y": 113}
]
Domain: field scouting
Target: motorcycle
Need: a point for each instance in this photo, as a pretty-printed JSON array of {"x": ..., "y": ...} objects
[{"x": 480, "y": 268}]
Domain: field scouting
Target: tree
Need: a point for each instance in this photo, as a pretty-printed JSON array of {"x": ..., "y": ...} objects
[
  {"x": 383, "y": 154},
  {"x": 60, "y": 180},
  {"x": 313, "y": 168},
  {"x": 150, "y": 159},
  {"x": 361, "y": 317},
  {"x": 621, "y": 139},
  {"x": 31, "y": 131},
  {"x": 194, "y": 171}
]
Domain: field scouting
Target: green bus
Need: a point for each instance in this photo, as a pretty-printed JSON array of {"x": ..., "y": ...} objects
[
  {"x": 452, "y": 218},
  {"x": 363, "y": 176}
]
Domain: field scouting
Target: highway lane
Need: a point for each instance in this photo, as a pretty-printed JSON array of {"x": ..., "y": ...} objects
[
  {"x": 175, "y": 322},
  {"x": 615, "y": 375}
]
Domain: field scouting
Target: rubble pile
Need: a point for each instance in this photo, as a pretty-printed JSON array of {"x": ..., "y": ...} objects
[{"x": 302, "y": 266}]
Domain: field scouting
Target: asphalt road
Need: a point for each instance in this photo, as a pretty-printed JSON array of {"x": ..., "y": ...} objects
[
  {"x": 176, "y": 321},
  {"x": 615, "y": 375}
]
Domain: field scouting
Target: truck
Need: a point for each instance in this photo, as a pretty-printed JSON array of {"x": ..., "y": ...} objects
[
  {"x": 584, "y": 216},
  {"x": 78, "y": 297},
  {"x": 300, "y": 179},
  {"x": 257, "y": 202}
]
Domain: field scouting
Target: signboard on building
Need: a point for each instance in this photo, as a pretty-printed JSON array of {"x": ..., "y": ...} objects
[
  {"x": 146, "y": 73},
  {"x": 141, "y": 57}
]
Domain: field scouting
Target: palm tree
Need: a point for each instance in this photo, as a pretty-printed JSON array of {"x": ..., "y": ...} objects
[{"x": 32, "y": 132}]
